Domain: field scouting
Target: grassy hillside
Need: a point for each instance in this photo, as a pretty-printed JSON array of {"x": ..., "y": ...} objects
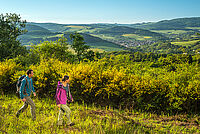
[
  {"x": 179, "y": 23},
  {"x": 111, "y": 37},
  {"x": 89, "y": 119},
  {"x": 96, "y": 42},
  {"x": 36, "y": 34},
  {"x": 171, "y": 31},
  {"x": 137, "y": 37},
  {"x": 53, "y": 27},
  {"x": 186, "y": 43},
  {"x": 121, "y": 30},
  {"x": 35, "y": 28}
]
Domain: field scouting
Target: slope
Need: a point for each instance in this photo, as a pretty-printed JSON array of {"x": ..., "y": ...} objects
[
  {"x": 35, "y": 34},
  {"x": 121, "y": 30},
  {"x": 53, "y": 27},
  {"x": 178, "y": 24},
  {"x": 96, "y": 42}
]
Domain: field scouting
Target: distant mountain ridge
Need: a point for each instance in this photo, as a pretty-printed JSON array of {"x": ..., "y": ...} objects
[
  {"x": 53, "y": 27},
  {"x": 110, "y": 36},
  {"x": 37, "y": 34},
  {"x": 179, "y": 23},
  {"x": 35, "y": 28}
]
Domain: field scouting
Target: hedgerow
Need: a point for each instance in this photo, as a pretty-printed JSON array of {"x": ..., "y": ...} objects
[{"x": 116, "y": 81}]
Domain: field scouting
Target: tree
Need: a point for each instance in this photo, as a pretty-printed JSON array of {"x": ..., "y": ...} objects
[
  {"x": 78, "y": 45},
  {"x": 53, "y": 49},
  {"x": 90, "y": 55},
  {"x": 11, "y": 26}
]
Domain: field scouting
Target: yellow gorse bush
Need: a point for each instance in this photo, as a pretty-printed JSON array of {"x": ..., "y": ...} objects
[
  {"x": 7, "y": 69},
  {"x": 116, "y": 81}
]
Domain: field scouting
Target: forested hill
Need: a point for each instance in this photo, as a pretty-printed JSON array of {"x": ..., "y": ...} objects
[
  {"x": 114, "y": 36},
  {"x": 53, "y": 27},
  {"x": 119, "y": 30},
  {"x": 96, "y": 42},
  {"x": 34, "y": 28},
  {"x": 179, "y": 23},
  {"x": 35, "y": 34}
]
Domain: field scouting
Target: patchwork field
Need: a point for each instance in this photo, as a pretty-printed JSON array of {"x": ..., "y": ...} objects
[
  {"x": 137, "y": 37},
  {"x": 171, "y": 31},
  {"x": 185, "y": 43}
]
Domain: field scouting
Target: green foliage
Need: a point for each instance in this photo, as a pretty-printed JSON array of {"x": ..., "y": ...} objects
[
  {"x": 30, "y": 59},
  {"x": 53, "y": 49},
  {"x": 78, "y": 45},
  {"x": 115, "y": 37},
  {"x": 47, "y": 74},
  {"x": 192, "y": 47},
  {"x": 169, "y": 84},
  {"x": 11, "y": 26},
  {"x": 7, "y": 69},
  {"x": 90, "y": 55}
]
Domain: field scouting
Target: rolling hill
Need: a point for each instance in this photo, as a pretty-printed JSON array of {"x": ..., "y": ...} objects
[
  {"x": 120, "y": 30},
  {"x": 37, "y": 34},
  {"x": 174, "y": 24},
  {"x": 53, "y": 27},
  {"x": 115, "y": 36},
  {"x": 96, "y": 42}
]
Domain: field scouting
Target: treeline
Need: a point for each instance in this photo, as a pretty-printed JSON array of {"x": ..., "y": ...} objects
[{"x": 168, "y": 48}]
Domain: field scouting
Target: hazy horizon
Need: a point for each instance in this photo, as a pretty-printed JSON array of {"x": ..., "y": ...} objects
[
  {"x": 104, "y": 11},
  {"x": 112, "y": 23}
]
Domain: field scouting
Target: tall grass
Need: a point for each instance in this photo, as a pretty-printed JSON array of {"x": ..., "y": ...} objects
[{"x": 89, "y": 119}]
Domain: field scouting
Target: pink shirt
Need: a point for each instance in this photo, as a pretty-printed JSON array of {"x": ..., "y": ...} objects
[{"x": 61, "y": 95}]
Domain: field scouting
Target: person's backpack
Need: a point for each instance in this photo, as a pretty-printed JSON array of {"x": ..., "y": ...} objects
[
  {"x": 18, "y": 85},
  {"x": 68, "y": 93}
]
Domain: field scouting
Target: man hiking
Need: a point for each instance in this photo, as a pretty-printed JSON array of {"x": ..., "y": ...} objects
[{"x": 25, "y": 92}]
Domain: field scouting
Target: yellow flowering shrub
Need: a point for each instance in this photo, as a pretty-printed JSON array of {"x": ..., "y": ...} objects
[
  {"x": 116, "y": 81},
  {"x": 7, "y": 69}
]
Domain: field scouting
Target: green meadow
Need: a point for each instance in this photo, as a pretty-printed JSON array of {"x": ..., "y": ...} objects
[
  {"x": 137, "y": 37},
  {"x": 185, "y": 43},
  {"x": 170, "y": 31},
  {"x": 89, "y": 119}
]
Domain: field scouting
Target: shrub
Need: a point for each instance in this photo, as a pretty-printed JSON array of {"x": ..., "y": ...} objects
[
  {"x": 7, "y": 69},
  {"x": 107, "y": 82}
]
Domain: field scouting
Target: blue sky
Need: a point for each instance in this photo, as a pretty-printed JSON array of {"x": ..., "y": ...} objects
[{"x": 100, "y": 11}]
